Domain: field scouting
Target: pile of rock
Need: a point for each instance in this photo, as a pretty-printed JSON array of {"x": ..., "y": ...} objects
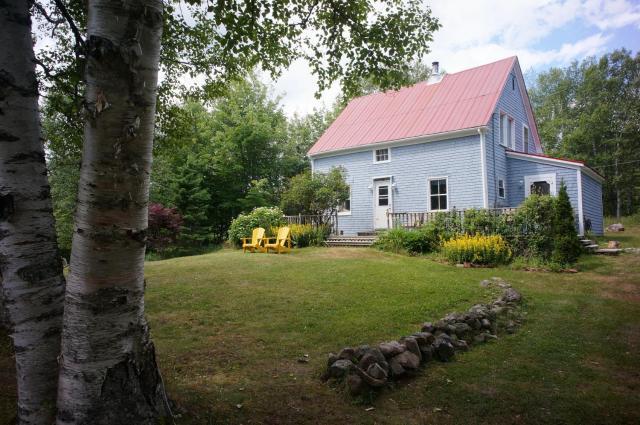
[{"x": 370, "y": 367}]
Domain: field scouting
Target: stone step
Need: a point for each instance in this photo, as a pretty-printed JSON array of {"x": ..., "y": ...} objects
[
  {"x": 356, "y": 241},
  {"x": 608, "y": 251},
  {"x": 591, "y": 247},
  {"x": 587, "y": 242}
]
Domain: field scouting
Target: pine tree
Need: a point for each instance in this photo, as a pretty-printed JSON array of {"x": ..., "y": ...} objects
[{"x": 566, "y": 245}]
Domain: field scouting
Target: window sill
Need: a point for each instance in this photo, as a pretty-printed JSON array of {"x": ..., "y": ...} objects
[
  {"x": 381, "y": 162},
  {"x": 344, "y": 213}
]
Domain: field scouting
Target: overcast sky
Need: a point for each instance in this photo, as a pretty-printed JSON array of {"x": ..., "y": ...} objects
[{"x": 542, "y": 33}]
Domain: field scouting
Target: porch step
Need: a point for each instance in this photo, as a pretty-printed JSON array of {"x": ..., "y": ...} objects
[
  {"x": 587, "y": 242},
  {"x": 591, "y": 247},
  {"x": 355, "y": 241},
  {"x": 608, "y": 251}
]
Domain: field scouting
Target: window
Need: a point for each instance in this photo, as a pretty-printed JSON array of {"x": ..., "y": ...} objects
[
  {"x": 513, "y": 83},
  {"x": 543, "y": 184},
  {"x": 345, "y": 207},
  {"x": 383, "y": 196},
  {"x": 501, "y": 190},
  {"x": 525, "y": 138},
  {"x": 503, "y": 133},
  {"x": 507, "y": 131},
  {"x": 540, "y": 188},
  {"x": 438, "y": 194},
  {"x": 381, "y": 155}
]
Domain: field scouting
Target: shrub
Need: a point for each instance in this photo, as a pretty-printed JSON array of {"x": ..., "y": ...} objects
[
  {"x": 164, "y": 227},
  {"x": 419, "y": 241},
  {"x": 304, "y": 235},
  {"x": 243, "y": 225},
  {"x": 478, "y": 249}
]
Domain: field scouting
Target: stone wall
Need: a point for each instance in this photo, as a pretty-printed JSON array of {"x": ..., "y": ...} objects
[{"x": 366, "y": 368}]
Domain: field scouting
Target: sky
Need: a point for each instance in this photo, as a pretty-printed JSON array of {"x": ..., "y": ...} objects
[{"x": 542, "y": 33}]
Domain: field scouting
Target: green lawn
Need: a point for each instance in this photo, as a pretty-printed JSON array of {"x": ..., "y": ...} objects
[{"x": 229, "y": 329}]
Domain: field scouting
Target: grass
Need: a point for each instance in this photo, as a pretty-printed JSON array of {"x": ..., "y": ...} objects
[
  {"x": 630, "y": 238},
  {"x": 229, "y": 329}
]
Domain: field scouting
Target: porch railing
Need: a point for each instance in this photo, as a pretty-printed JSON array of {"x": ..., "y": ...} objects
[
  {"x": 420, "y": 218},
  {"x": 330, "y": 220}
]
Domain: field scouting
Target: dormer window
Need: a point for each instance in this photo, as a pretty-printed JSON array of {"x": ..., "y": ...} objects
[
  {"x": 381, "y": 155},
  {"x": 525, "y": 139}
]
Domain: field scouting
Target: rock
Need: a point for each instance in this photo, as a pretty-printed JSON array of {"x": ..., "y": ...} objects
[
  {"x": 485, "y": 283},
  {"x": 332, "y": 359},
  {"x": 376, "y": 353},
  {"x": 479, "y": 339},
  {"x": 617, "y": 227},
  {"x": 490, "y": 337},
  {"x": 511, "y": 326},
  {"x": 390, "y": 349},
  {"x": 347, "y": 353},
  {"x": 428, "y": 327},
  {"x": 486, "y": 324},
  {"x": 340, "y": 368},
  {"x": 407, "y": 360},
  {"x": 443, "y": 349},
  {"x": 427, "y": 353},
  {"x": 377, "y": 372},
  {"x": 361, "y": 351},
  {"x": 396, "y": 368},
  {"x": 510, "y": 295},
  {"x": 426, "y": 335},
  {"x": 412, "y": 346},
  {"x": 460, "y": 345},
  {"x": 462, "y": 329},
  {"x": 355, "y": 384},
  {"x": 613, "y": 244},
  {"x": 366, "y": 361}
]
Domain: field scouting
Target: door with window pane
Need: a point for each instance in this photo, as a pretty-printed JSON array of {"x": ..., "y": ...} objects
[{"x": 382, "y": 203}]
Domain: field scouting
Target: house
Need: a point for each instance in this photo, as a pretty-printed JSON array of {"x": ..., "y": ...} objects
[{"x": 462, "y": 140}]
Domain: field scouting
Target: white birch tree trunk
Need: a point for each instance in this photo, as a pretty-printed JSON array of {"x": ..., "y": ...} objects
[
  {"x": 30, "y": 267},
  {"x": 108, "y": 371}
]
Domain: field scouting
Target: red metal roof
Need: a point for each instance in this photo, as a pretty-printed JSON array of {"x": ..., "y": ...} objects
[{"x": 459, "y": 101}]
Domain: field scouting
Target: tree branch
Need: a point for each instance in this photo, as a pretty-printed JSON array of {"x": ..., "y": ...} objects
[
  {"x": 45, "y": 15},
  {"x": 67, "y": 16}
]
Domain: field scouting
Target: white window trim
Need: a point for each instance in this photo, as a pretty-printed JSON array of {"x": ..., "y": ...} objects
[
  {"x": 500, "y": 128},
  {"x": 504, "y": 188},
  {"x": 350, "y": 205},
  {"x": 513, "y": 132},
  {"x": 550, "y": 178},
  {"x": 388, "y": 155},
  {"x": 446, "y": 179},
  {"x": 525, "y": 146}
]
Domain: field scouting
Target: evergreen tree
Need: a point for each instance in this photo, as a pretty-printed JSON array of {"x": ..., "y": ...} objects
[{"x": 566, "y": 245}]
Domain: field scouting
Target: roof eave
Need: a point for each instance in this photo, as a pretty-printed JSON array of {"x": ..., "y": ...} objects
[{"x": 401, "y": 142}]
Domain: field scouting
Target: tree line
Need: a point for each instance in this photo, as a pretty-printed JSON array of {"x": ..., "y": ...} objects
[{"x": 590, "y": 111}]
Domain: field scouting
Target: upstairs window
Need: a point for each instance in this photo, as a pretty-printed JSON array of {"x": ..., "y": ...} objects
[
  {"x": 381, "y": 155},
  {"x": 525, "y": 139},
  {"x": 507, "y": 131},
  {"x": 438, "y": 194},
  {"x": 501, "y": 189}
]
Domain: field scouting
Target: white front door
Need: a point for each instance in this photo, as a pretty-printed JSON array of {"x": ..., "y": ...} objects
[{"x": 382, "y": 203}]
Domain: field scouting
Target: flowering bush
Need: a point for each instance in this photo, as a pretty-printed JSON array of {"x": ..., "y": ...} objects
[
  {"x": 417, "y": 241},
  {"x": 477, "y": 249},
  {"x": 307, "y": 235},
  {"x": 164, "y": 226},
  {"x": 269, "y": 218}
]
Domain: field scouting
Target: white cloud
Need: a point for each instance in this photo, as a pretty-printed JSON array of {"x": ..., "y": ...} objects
[{"x": 478, "y": 32}]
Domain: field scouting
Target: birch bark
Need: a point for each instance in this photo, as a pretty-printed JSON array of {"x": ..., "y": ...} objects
[
  {"x": 108, "y": 370},
  {"x": 30, "y": 267}
]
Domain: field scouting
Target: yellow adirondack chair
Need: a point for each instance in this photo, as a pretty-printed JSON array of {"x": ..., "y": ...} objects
[
  {"x": 254, "y": 242},
  {"x": 281, "y": 243}
]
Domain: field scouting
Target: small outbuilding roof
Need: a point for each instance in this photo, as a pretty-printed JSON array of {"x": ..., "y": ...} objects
[{"x": 463, "y": 100}]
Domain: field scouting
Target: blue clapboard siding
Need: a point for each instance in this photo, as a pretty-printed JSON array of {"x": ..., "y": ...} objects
[
  {"x": 592, "y": 203},
  {"x": 518, "y": 169},
  {"x": 410, "y": 166},
  {"x": 512, "y": 103}
]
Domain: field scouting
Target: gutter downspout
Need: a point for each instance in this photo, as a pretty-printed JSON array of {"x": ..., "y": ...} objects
[
  {"x": 483, "y": 164},
  {"x": 580, "y": 211}
]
